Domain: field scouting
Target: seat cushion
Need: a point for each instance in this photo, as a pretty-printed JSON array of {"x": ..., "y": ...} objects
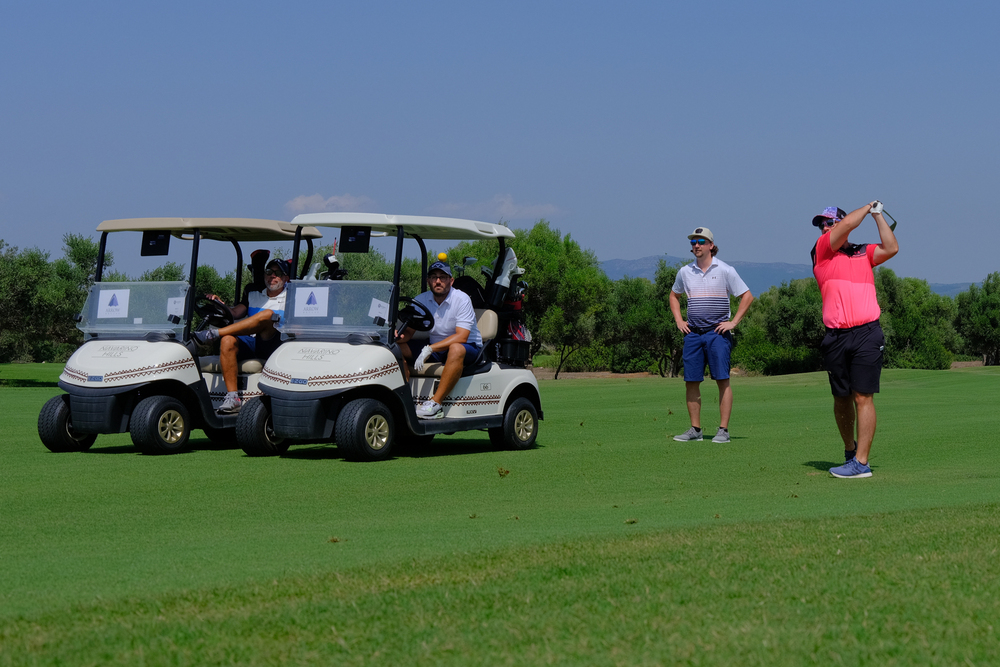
[{"x": 247, "y": 366}]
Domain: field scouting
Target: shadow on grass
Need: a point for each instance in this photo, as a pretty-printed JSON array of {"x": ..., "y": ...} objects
[
  {"x": 31, "y": 384},
  {"x": 195, "y": 444},
  {"x": 437, "y": 447},
  {"x": 823, "y": 465}
]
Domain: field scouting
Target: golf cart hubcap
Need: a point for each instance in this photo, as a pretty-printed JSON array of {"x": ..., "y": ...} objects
[
  {"x": 524, "y": 426},
  {"x": 377, "y": 432},
  {"x": 171, "y": 426}
]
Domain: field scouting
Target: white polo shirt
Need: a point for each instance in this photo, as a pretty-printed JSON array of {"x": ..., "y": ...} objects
[
  {"x": 455, "y": 311},
  {"x": 258, "y": 301}
]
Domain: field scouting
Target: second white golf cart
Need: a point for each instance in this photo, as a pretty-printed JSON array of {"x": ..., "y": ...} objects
[
  {"x": 339, "y": 374},
  {"x": 138, "y": 369}
]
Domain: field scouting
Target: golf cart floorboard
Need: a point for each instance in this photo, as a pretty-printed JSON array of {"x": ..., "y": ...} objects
[{"x": 456, "y": 425}]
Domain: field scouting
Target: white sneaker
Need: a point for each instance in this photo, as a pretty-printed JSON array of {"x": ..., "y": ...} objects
[
  {"x": 430, "y": 410},
  {"x": 230, "y": 406}
]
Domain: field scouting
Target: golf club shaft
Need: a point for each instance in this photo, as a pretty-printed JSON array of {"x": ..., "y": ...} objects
[{"x": 892, "y": 227}]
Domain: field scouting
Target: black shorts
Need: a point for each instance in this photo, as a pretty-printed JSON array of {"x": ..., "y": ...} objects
[{"x": 853, "y": 358}]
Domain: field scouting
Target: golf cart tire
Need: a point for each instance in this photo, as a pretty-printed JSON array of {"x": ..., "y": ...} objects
[
  {"x": 55, "y": 428},
  {"x": 160, "y": 425},
  {"x": 520, "y": 426},
  {"x": 255, "y": 432},
  {"x": 364, "y": 430}
]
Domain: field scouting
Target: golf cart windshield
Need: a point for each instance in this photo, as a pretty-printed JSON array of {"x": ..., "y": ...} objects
[
  {"x": 332, "y": 310},
  {"x": 135, "y": 309}
]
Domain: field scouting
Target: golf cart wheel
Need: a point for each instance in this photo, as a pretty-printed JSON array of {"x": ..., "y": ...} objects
[
  {"x": 255, "y": 432},
  {"x": 160, "y": 425},
  {"x": 364, "y": 430},
  {"x": 55, "y": 428},
  {"x": 520, "y": 426}
]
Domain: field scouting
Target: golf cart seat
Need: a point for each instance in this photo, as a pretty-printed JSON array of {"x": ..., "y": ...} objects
[
  {"x": 247, "y": 366},
  {"x": 487, "y": 322}
]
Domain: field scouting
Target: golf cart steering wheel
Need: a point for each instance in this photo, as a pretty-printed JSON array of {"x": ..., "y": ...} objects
[
  {"x": 414, "y": 315},
  {"x": 213, "y": 313}
]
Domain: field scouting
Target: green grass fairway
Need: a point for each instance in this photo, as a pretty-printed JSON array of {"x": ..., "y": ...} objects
[{"x": 608, "y": 544}]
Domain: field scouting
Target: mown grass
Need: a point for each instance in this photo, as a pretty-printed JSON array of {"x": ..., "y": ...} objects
[{"x": 609, "y": 544}]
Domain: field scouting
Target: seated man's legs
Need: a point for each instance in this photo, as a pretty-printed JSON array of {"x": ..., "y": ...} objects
[
  {"x": 455, "y": 359},
  {"x": 229, "y": 343}
]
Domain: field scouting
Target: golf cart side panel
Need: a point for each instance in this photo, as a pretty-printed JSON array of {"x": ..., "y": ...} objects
[
  {"x": 124, "y": 363},
  {"x": 480, "y": 394},
  {"x": 308, "y": 366}
]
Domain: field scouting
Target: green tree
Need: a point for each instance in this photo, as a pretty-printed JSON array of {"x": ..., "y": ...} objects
[
  {"x": 39, "y": 298},
  {"x": 569, "y": 323},
  {"x": 670, "y": 346},
  {"x": 782, "y": 331},
  {"x": 978, "y": 319},
  {"x": 918, "y": 324}
]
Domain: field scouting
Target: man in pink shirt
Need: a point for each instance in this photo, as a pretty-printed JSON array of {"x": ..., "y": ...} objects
[{"x": 853, "y": 346}]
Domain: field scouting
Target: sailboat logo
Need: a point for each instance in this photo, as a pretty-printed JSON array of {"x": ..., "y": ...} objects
[
  {"x": 114, "y": 301},
  {"x": 311, "y": 301}
]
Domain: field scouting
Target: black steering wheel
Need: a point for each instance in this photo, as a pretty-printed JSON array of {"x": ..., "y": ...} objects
[
  {"x": 213, "y": 313},
  {"x": 414, "y": 315}
]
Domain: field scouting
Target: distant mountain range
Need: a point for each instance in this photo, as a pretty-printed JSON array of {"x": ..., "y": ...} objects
[{"x": 758, "y": 277}]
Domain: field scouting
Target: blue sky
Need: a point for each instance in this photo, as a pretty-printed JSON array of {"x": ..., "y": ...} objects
[{"x": 625, "y": 124}]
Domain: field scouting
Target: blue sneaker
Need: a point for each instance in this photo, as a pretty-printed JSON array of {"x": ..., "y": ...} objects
[{"x": 851, "y": 470}]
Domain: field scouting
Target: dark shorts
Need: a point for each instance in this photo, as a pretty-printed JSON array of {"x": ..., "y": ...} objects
[
  {"x": 251, "y": 347},
  {"x": 471, "y": 352},
  {"x": 711, "y": 348},
  {"x": 853, "y": 358}
]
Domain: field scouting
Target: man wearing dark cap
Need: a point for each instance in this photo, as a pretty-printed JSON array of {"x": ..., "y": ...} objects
[
  {"x": 454, "y": 340},
  {"x": 708, "y": 283},
  {"x": 254, "y": 336},
  {"x": 853, "y": 346}
]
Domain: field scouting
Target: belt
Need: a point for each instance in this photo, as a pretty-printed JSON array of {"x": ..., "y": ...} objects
[
  {"x": 867, "y": 325},
  {"x": 701, "y": 330}
]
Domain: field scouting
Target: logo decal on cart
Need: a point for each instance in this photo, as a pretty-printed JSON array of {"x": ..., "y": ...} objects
[{"x": 485, "y": 386}]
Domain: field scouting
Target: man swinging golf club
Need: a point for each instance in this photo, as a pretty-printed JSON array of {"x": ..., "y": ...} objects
[{"x": 853, "y": 346}]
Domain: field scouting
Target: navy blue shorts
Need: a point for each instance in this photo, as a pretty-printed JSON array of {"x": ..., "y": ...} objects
[
  {"x": 251, "y": 347},
  {"x": 711, "y": 348},
  {"x": 853, "y": 358},
  {"x": 471, "y": 352}
]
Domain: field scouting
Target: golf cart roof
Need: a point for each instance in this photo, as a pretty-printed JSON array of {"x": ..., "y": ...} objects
[
  {"x": 222, "y": 229},
  {"x": 424, "y": 226}
]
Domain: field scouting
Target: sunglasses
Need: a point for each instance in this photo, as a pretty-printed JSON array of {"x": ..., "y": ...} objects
[
  {"x": 273, "y": 272},
  {"x": 830, "y": 222},
  {"x": 699, "y": 241}
]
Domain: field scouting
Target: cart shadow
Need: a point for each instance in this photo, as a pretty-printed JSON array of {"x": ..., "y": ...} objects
[
  {"x": 451, "y": 447},
  {"x": 195, "y": 444}
]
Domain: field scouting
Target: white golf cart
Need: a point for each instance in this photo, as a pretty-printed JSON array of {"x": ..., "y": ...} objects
[
  {"x": 338, "y": 375},
  {"x": 138, "y": 369}
]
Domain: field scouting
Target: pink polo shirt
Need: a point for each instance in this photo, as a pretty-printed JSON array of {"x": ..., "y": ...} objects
[{"x": 846, "y": 283}]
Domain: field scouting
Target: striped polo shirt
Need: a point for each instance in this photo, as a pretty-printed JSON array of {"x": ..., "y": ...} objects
[{"x": 708, "y": 292}]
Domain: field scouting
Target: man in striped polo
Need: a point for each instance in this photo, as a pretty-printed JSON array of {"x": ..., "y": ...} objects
[{"x": 708, "y": 283}]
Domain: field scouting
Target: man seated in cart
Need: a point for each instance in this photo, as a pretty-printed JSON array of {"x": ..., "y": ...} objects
[
  {"x": 454, "y": 340},
  {"x": 253, "y": 336}
]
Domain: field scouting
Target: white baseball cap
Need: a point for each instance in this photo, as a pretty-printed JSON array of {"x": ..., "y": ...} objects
[{"x": 703, "y": 232}]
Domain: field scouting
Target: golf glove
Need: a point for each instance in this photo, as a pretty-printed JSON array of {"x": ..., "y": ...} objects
[
  {"x": 876, "y": 207},
  {"x": 418, "y": 363}
]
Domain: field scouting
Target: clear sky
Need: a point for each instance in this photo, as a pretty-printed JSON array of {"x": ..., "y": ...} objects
[{"x": 625, "y": 124}]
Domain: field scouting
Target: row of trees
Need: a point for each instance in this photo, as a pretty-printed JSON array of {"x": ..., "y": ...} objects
[{"x": 577, "y": 314}]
